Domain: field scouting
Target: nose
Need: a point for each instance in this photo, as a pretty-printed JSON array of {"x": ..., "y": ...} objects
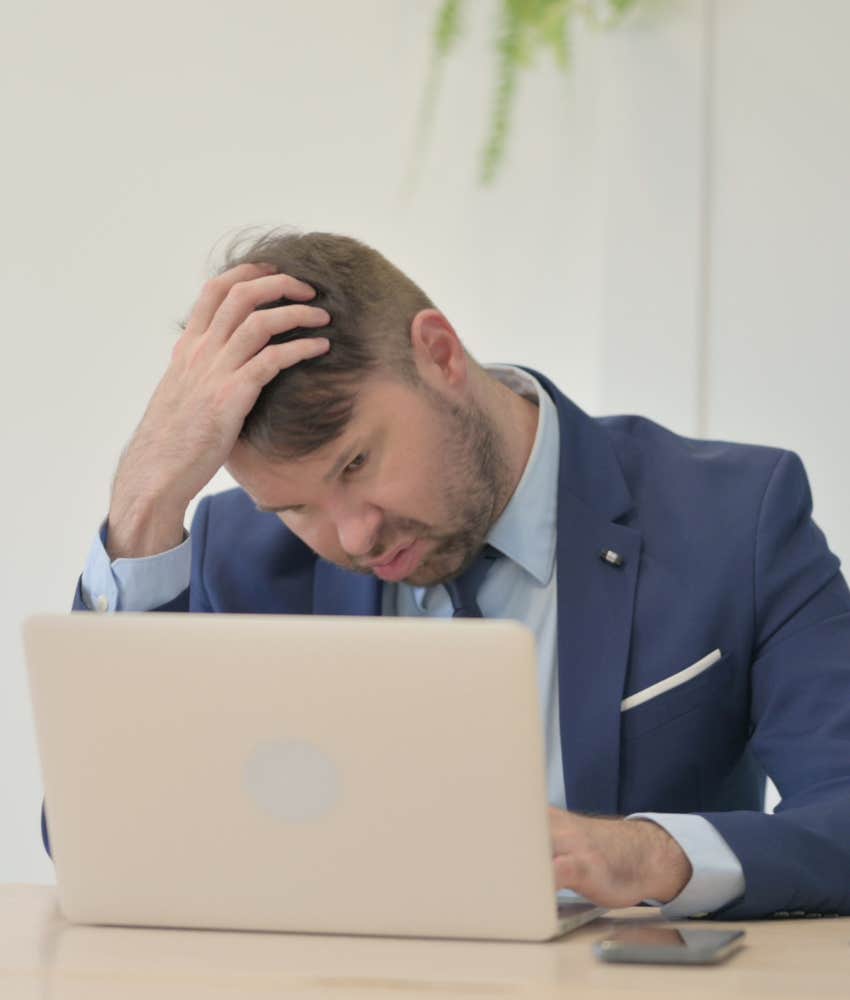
[{"x": 358, "y": 527}]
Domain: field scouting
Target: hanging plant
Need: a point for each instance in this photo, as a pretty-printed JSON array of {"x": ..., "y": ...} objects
[{"x": 526, "y": 27}]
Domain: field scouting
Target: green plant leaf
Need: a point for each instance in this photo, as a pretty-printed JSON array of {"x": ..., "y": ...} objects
[
  {"x": 526, "y": 27},
  {"x": 509, "y": 47},
  {"x": 622, "y": 6},
  {"x": 448, "y": 27}
]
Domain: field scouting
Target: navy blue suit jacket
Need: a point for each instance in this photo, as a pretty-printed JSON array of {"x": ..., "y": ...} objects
[{"x": 719, "y": 551}]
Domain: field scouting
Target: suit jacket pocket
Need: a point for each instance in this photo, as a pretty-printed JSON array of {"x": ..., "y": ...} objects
[{"x": 712, "y": 684}]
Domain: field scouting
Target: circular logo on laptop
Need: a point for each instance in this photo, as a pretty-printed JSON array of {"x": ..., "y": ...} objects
[{"x": 292, "y": 781}]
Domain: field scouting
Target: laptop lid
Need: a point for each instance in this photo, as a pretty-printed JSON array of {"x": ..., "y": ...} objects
[{"x": 330, "y": 774}]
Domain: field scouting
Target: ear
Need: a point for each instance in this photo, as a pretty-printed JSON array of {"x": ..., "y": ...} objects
[{"x": 437, "y": 350}]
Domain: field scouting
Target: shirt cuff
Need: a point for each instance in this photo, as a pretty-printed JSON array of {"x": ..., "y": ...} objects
[
  {"x": 134, "y": 584},
  {"x": 717, "y": 878}
]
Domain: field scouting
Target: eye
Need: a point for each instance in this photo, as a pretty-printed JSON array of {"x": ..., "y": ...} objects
[{"x": 356, "y": 463}]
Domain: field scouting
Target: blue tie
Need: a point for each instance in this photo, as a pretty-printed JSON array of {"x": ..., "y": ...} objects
[{"x": 463, "y": 589}]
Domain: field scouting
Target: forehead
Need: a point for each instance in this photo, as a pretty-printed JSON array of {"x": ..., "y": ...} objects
[{"x": 382, "y": 406}]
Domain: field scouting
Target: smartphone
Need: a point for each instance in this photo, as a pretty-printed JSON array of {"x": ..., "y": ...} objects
[{"x": 668, "y": 944}]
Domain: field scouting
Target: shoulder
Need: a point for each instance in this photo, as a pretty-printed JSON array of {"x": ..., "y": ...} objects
[
  {"x": 712, "y": 497},
  {"x": 655, "y": 457},
  {"x": 656, "y": 460},
  {"x": 233, "y": 504},
  {"x": 229, "y": 526}
]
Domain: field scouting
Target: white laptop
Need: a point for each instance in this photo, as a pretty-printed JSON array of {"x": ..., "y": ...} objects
[{"x": 288, "y": 773}]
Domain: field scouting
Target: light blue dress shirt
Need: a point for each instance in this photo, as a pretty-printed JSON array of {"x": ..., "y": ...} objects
[{"x": 522, "y": 586}]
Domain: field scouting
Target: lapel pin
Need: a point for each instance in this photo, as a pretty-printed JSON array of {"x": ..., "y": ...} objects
[{"x": 611, "y": 557}]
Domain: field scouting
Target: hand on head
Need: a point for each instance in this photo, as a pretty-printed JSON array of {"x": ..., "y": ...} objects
[{"x": 218, "y": 368}]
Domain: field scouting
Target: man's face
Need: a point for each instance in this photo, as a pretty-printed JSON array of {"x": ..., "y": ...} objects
[{"x": 408, "y": 492}]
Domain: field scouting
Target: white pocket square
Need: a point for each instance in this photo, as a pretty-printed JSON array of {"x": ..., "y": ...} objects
[{"x": 682, "y": 677}]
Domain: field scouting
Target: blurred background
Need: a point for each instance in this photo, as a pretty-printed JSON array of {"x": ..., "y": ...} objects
[{"x": 666, "y": 233}]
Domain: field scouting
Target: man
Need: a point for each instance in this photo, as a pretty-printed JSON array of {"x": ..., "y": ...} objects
[{"x": 693, "y": 628}]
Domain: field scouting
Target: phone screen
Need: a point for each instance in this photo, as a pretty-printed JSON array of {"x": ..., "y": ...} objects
[{"x": 667, "y": 944}]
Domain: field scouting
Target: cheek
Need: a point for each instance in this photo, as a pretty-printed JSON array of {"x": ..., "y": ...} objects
[
  {"x": 316, "y": 532},
  {"x": 415, "y": 489}
]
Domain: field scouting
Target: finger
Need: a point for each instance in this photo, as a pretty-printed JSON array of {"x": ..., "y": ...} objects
[
  {"x": 213, "y": 294},
  {"x": 563, "y": 834},
  {"x": 593, "y": 881},
  {"x": 263, "y": 367},
  {"x": 242, "y": 299},
  {"x": 565, "y": 841},
  {"x": 263, "y": 324},
  {"x": 572, "y": 873}
]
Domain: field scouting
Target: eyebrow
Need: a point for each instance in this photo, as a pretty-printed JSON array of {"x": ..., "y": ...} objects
[
  {"x": 337, "y": 467},
  {"x": 341, "y": 462}
]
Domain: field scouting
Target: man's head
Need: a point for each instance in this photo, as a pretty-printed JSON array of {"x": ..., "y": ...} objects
[
  {"x": 372, "y": 305},
  {"x": 379, "y": 454}
]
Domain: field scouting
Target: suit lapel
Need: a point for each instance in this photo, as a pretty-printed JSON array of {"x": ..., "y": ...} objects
[
  {"x": 595, "y": 607},
  {"x": 336, "y": 591},
  {"x": 595, "y": 604}
]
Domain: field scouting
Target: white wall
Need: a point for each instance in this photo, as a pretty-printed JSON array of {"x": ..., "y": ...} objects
[
  {"x": 136, "y": 137},
  {"x": 779, "y": 351},
  {"x": 652, "y": 86},
  {"x": 653, "y": 205}
]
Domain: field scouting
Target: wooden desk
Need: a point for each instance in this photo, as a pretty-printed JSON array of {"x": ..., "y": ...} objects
[{"x": 44, "y": 958}]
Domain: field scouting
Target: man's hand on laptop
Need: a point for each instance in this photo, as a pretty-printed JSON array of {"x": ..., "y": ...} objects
[
  {"x": 218, "y": 368},
  {"x": 616, "y": 862}
]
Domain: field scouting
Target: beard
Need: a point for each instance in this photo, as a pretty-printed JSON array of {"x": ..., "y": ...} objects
[{"x": 476, "y": 486}]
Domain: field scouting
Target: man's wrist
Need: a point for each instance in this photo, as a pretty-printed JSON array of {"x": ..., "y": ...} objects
[
  {"x": 667, "y": 868},
  {"x": 143, "y": 526}
]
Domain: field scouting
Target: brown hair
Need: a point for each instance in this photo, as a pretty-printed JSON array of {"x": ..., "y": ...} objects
[{"x": 371, "y": 304}]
